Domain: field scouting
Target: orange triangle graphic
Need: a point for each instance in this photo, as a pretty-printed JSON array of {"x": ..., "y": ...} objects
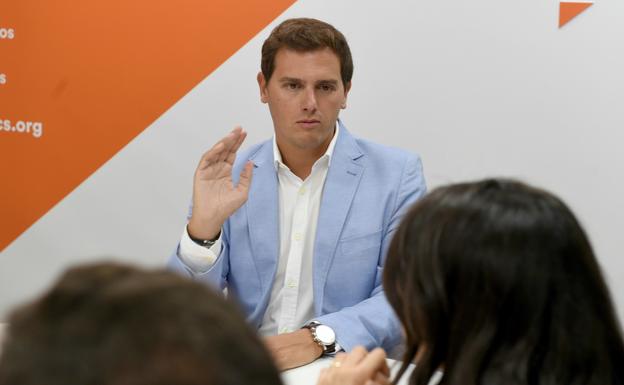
[
  {"x": 86, "y": 77},
  {"x": 569, "y": 10}
]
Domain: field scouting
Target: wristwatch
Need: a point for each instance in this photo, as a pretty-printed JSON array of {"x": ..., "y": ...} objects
[
  {"x": 324, "y": 336},
  {"x": 203, "y": 242}
]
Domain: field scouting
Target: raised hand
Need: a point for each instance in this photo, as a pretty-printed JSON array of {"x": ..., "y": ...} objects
[{"x": 215, "y": 197}]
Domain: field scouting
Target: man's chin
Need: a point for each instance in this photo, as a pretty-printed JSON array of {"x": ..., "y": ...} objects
[
  {"x": 312, "y": 142},
  {"x": 309, "y": 140}
]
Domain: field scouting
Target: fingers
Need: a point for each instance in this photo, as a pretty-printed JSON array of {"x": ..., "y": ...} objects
[
  {"x": 245, "y": 177},
  {"x": 382, "y": 379},
  {"x": 241, "y": 139},
  {"x": 210, "y": 156},
  {"x": 355, "y": 356},
  {"x": 223, "y": 149},
  {"x": 379, "y": 379},
  {"x": 231, "y": 143},
  {"x": 374, "y": 362},
  {"x": 383, "y": 360},
  {"x": 357, "y": 367},
  {"x": 338, "y": 361},
  {"x": 340, "y": 357},
  {"x": 230, "y": 156}
]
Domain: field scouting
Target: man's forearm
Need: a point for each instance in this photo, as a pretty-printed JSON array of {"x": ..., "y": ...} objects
[{"x": 290, "y": 350}]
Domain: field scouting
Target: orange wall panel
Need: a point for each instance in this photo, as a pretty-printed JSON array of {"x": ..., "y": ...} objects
[{"x": 95, "y": 74}]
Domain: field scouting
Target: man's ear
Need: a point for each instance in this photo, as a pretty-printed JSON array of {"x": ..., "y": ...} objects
[
  {"x": 264, "y": 97},
  {"x": 346, "y": 93}
]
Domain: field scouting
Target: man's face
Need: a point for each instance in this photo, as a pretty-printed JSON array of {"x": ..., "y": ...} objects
[{"x": 305, "y": 94}]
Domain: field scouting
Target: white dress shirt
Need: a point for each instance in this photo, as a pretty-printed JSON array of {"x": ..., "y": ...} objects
[{"x": 291, "y": 304}]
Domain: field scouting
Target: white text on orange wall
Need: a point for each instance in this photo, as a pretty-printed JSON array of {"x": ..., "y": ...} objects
[
  {"x": 7, "y": 33},
  {"x": 22, "y": 127}
]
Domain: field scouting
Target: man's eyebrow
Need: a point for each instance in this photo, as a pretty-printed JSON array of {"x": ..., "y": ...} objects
[
  {"x": 328, "y": 81},
  {"x": 287, "y": 79}
]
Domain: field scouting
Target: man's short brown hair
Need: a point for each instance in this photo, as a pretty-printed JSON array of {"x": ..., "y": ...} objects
[{"x": 305, "y": 35}]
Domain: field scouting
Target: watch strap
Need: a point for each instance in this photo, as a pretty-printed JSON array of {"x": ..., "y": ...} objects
[{"x": 204, "y": 242}]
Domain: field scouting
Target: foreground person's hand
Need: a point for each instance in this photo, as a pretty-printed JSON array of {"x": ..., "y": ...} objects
[{"x": 357, "y": 368}]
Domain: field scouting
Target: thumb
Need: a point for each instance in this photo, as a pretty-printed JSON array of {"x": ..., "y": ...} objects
[{"x": 245, "y": 176}]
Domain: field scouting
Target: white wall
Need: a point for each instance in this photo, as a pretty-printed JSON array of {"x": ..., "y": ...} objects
[{"x": 486, "y": 88}]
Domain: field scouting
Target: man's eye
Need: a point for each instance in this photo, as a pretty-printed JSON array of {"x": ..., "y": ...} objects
[
  {"x": 292, "y": 86},
  {"x": 326, "y": 87}
]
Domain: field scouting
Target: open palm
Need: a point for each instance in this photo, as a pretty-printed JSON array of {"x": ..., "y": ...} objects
[{"x": 215, "y": 197}]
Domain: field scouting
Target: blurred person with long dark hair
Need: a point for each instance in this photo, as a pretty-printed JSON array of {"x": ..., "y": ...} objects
[{"x": 495, "y": 282}]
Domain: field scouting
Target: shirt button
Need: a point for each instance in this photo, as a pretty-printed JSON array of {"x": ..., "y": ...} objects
[
  {"x": 292, "y": 283},
  {"x": 298, "y": 236},
  {"x": 302, "y": 191}
]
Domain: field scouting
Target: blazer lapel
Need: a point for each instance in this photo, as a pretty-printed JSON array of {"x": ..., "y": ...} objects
[
  {"x": 263, "y": 216},
  {"x": 343, "y": 178}
]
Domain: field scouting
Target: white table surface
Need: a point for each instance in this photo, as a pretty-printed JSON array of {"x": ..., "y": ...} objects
[{"x": 308, "y": 374}]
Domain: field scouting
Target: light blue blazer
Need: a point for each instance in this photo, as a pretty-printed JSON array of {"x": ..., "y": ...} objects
[{"x": 368, "y": 189}]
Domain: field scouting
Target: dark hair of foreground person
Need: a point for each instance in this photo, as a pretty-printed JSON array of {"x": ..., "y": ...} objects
[
  {"x": 495, "y": 282},
  {"x": 112, "y": 324}
]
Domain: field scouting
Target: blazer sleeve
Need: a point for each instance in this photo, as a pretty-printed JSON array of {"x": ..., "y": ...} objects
[
  {"x": 216, "y": 275},
  {"x": 372, "y": 322}
]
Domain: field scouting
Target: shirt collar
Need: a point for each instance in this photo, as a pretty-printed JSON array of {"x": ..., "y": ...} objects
[{"x": 277, "y": 156}]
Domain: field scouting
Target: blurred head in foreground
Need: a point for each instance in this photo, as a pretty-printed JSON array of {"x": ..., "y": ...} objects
[
  {"x": 495, "y": 282},
  {"x": 111, "y": 324}
]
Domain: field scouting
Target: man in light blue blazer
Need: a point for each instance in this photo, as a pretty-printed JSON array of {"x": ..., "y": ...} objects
[{"x": 296, "y": 228}]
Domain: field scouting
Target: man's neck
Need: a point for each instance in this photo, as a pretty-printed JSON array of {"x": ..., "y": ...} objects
[{"x": 300, "y": 161}]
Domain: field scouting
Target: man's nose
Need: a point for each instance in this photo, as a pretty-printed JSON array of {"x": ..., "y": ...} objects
[{"x": 309, "y": 100}]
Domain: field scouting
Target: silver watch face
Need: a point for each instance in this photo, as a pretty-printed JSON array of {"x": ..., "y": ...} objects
[{"x": 325, "y": 334}]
